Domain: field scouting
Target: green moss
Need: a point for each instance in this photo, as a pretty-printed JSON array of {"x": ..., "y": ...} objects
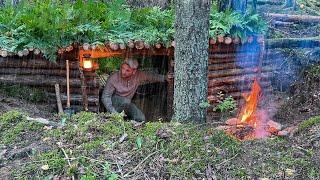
[
  {"x": 308, "y": 123},
  {"x": 13, "y": 125}
]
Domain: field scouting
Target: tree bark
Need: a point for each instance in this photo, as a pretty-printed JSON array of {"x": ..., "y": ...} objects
[{"x": 191, "y": 59}]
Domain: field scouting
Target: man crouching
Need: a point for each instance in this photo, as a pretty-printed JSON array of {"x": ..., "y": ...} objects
[{"x": 121, "y": 87}]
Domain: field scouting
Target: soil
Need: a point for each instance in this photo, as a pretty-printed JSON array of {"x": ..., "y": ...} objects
[{"x": 34, "y": 110}]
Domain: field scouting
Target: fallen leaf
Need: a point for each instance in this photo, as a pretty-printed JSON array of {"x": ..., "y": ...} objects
[
  {"x": 123, "y": 137},
  {"x": 45, "y": 167},
  {"x": 46, "y": 139},
  {"x": 290, "y": 172}
]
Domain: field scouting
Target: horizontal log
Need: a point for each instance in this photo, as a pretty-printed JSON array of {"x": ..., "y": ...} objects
[
  {"x": 236, "y": 95},
  {"x": 232, "y": 55},
  {"x": 294, "y": 18},
  {"x": 235, "y": 88},
  {"x": 75, "y": 99},
  {"x": 35, "y": 63},
  {"x": 293, "y": 43},
  {"x": 90, "y": 108},
  {"x": 238, "y": 71},
  {"x": 48, "y": 72},
  {"x": 234, "y": 48},
  {"x": 268, "y": 2},
  {"x": 237, "y": 79},
  {"x": 234, "y": 65},
  {"x": 73, "y": 90},
  {"x": 42, "y": 80}
]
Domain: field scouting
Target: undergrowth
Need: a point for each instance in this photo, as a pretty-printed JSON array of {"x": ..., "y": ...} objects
[{"x": 104, "y": 146}]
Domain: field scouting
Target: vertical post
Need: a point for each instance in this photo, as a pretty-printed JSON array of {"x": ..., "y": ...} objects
[
  {"x": 57, "y": 89},
  {"x": 170, "y": 88},
  {"x": 84, "y": 90},
  {"x": 68, "y": 84}
]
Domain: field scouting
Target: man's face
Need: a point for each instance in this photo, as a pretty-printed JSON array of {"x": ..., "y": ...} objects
[{"x": 126, "y": 71}]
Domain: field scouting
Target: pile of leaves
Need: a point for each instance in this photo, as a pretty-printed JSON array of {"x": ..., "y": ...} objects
[
  {"x": 104, "y": 146},
  {"x": 49, "y": 25}
]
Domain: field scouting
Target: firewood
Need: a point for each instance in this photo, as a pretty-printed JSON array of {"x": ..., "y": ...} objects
[{"x": 139, "y": 44}]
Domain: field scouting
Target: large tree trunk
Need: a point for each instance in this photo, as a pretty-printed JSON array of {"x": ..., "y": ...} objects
[
  {"x": 235, "y": 5},
  {"x": 191, "y": 56}
]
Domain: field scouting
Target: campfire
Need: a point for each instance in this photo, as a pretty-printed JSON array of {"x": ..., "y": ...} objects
[{"x": 253, "y": 123}]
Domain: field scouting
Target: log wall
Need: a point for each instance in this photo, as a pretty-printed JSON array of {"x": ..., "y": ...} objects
[
  {"x": 39, "y": 72},
  {"x": 232, "y": 69}
]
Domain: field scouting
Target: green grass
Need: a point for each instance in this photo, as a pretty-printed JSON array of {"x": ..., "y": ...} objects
[
  {"x": 91, "y": 141},
  {"x": 309, "y": 123}
]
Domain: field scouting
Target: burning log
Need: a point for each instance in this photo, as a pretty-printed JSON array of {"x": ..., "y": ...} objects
[
  {"x": 294, "y": 18},
  {"x": 251, "y": 123}
]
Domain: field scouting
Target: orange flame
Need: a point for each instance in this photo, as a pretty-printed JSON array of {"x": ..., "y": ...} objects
[{"x": 247, "y": 113}]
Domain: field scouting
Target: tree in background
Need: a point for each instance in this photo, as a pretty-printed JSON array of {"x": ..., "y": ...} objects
[
  {"x": 235, "y": 5},
  {"x": 191, "y": 59},
  {"x": 290, "y": 3}
]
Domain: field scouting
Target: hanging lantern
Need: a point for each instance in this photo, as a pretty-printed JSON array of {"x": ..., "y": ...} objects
[{"x": 87, "y": 64}]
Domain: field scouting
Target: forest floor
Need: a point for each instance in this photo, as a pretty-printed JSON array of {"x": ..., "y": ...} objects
[{"x": 104, "y": 146}]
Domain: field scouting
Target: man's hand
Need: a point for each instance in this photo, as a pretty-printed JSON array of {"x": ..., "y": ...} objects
[{"x": 169, "y": 77}]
